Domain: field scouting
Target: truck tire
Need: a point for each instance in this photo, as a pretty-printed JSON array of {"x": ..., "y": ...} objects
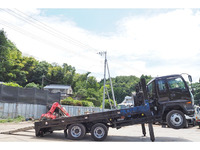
[
  {"x": 76, "y": 131},
  {"x": 99, "y": 132},
  {"x": 176, "y": 119}
]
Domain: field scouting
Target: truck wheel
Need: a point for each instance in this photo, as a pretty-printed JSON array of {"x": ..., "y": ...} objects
[
  {"x": 76, "y": 131},
  {"x": 99, "y": 132},
  {"x": 176, "y": 119}
]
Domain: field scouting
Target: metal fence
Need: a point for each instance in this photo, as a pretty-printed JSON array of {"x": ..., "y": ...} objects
[{"x": 12, "y": 110}]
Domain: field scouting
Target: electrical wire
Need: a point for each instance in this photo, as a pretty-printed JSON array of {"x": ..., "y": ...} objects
[
  {"x": 58, "y": 32},
  {"x": 46, "y": 29},
  {"x": 38, "y": 38}
]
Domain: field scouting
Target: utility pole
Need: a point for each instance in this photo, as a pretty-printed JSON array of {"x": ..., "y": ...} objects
[
  {"x": 109, "y": 98},
  {"x": 104, "y": 84},
  {"x": 104, "y": 88},
  {"x": 113, "y": 95}
]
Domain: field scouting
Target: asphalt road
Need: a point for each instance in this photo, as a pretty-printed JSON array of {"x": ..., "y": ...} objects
[{"x": 125, "y": 134}]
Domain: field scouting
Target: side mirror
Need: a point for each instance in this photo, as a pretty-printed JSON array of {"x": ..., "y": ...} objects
[{"x": 190, "y": 78}]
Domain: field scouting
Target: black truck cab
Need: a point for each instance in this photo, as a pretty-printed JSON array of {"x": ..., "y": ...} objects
[{"x": 171, "y": 97}]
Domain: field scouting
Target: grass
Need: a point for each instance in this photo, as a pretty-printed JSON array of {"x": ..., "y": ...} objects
[{"x": 17, "y": 119}]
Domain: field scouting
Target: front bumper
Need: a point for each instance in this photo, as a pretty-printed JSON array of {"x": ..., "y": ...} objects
[{"x": 189, "y": 112}]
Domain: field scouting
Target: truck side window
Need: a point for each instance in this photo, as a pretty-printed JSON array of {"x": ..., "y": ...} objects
[
  {"x": 151, "y": 90},
  {"x": 162, "y": 90},
  {"x": 161, "y": 86},
  {"x": 176, "y": 86},
  {"x": 176, "y": 83}
]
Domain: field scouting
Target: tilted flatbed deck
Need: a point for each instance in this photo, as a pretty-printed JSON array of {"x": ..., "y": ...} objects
[{"x": 114, "y": 118}]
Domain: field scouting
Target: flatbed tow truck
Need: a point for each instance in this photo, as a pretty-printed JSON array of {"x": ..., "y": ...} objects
[{"x": 149, "y": 108}]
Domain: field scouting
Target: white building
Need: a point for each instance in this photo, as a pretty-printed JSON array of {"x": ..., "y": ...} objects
[
  {"x": 127, "y": 102},
  {"x": 64, "y": 90}
]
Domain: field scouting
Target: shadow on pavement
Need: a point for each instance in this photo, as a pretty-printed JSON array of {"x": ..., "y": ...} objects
[{"x": 111, "y": 138}]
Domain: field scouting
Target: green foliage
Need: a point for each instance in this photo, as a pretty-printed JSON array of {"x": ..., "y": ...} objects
[
  {"x": 96, "y": 102},
  {"x": 23, "y": 70},
  {"x": 87, "y": 87},
  {"x": 81, "y": 93},
  {"x": 32, "y": 85},
  {"x": 71, "y": 101},
  {"x": 11, "y": 62},
  {"x": 107, "y": 104},
  {"x": 122, "y": 86},
  {"x": 87, "y": 103},
  {"x": 17, "y": 119},
  {"x": 147, "y": 77},
  {"x": 12, "y": 84}
]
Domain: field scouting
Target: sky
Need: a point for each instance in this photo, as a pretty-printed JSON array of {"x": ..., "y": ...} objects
[{"x": 150, "y": 41}]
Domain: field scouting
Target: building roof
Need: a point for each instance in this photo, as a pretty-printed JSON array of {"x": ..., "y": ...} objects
[{"x": 57, "y": 86}]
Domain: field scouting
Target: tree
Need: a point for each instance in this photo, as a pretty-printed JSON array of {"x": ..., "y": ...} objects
[
  {"x": 122, "y": 86},
  {"x": 41, "y": 69},
  {"x": 11, "y": 65},
  {"x": 147, "y": 77},
  {"x": 81, "y": 93},
  {"x": 30, "y": 64}
]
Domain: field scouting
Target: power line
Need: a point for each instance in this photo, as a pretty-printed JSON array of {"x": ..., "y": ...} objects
[
  {"x": 33, "y": 36},
  {"x": 38, "y": 38},
  {"x": 59, "y": 33},
  {"x": 47, "y": 29},
  {"x": 44, "y": 28}
]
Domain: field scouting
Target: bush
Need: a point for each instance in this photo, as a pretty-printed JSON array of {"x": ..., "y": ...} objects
[
  {"x": 32, "y": 85},
  {"x": 67, "y": 102},
  {"x": 87, "y": 104},
  {"x": 71, "y": 101},
  {"x": 12, "y": 84},
  {"x": 78, "y": 103}
]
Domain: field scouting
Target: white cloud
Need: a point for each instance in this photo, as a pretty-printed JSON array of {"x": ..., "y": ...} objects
[{"x": 161, "y": 44}]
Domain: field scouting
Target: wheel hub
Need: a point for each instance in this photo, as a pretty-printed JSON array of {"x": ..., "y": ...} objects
[
  {"x": 176, "y": 119},
  {"x": 76, "y": 131},
  {"x": 99, "y": 132}
]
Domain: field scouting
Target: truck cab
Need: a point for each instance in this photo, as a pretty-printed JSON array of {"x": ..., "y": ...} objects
[{"x": 171, "y": 98}]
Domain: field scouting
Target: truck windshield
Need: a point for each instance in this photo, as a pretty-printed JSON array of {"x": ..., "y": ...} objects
[{"x": 176, "y": 83}]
